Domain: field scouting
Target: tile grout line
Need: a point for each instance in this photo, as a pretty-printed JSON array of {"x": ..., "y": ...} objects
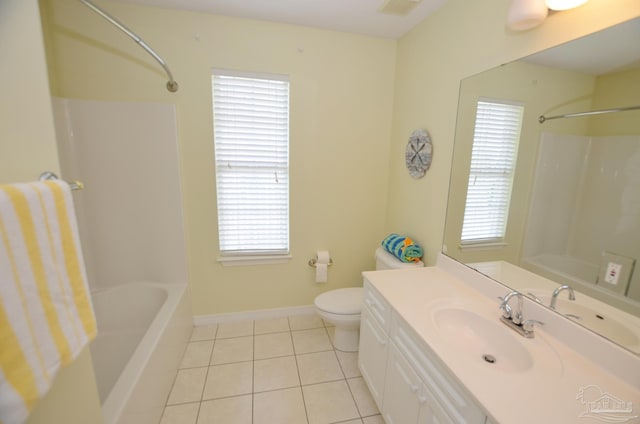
[
  {"x": 166, "y": 403},
  {"x": 253, "y": 372},
  {"x": 206, "y": 374},
  {"x": 295, "y": 356},
  {"x": 346, "y": 380}
]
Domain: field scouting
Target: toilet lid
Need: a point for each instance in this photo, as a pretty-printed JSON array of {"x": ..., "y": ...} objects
[{"x": 341, "y": 301}]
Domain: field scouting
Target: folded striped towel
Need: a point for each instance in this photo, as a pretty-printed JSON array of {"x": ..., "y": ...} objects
[
  {"x": 46, "y": 316},
  {"x": 402, "y": 248}
]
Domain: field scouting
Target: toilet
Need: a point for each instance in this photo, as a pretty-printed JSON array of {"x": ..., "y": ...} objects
[{"x": 342, "y": 307}]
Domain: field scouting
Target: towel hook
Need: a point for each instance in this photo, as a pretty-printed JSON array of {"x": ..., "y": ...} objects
[{"x": 50, "y": 176}]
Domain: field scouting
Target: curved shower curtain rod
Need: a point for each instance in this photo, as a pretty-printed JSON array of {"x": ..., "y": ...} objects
[
  {"x": 172, "y": 85},
  {"x": 543, "y": 118}
]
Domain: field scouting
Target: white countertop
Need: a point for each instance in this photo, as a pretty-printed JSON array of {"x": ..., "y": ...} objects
[
  {"x": 525, "y": 282},
  {"x": 545, "y": 393}
]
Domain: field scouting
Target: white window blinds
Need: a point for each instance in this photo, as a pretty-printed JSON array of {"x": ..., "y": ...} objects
[
  {"x": 495, "y": 144},
  {"x": 251, "y": 137}
]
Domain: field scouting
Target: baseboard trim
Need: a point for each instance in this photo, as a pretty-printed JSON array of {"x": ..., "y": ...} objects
[{"x": 202, "y": 320}]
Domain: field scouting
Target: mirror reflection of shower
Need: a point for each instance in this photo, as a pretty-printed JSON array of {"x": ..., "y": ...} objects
[{"x": 583, "y": 224}]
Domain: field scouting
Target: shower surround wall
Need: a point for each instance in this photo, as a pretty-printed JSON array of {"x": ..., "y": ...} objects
[
  {"x": 130, "y": 212},
  {"x": 586, "y": 199}
]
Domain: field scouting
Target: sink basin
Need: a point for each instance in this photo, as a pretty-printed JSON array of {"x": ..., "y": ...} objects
[
  {"x": 599, "y": 322},
  {"x": 489, "y": 343},
  {"x": 594, "y": 319}
]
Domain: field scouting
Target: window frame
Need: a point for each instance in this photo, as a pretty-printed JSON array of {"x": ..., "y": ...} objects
[
  {"x": 252, "y": 256},
  {"x": 498, "y": 238}
]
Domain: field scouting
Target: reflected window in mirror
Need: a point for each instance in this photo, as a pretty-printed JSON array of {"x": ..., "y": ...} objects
[{"x": 493, "y": 158}]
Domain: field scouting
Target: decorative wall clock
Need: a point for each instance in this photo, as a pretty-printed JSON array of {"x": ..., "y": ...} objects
[{"x": 419, "y": 153}]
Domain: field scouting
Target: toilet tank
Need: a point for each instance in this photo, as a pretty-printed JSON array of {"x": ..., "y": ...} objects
[{"x": 385, "y": 260}]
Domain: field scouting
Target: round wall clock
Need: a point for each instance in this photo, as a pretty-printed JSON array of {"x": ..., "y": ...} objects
[{"x": 419, "y": 153}]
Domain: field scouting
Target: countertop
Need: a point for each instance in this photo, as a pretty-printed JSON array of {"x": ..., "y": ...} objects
[{"x": 546, "y": 392}]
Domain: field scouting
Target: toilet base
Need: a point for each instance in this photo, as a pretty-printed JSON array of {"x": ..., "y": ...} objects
[{"x": 346, "y": 340}]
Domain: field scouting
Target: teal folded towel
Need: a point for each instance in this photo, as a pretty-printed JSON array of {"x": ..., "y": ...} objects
[{"x": 402, "y": 248}]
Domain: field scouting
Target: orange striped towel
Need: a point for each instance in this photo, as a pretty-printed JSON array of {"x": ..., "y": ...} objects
[{"x": 46, "y": 316}]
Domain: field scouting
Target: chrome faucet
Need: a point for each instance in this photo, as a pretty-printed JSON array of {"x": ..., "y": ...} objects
[
  {"x": 556, "y": 292},
  {"x": 514, "y": 318},
  {"x": 508, "y": 312}
]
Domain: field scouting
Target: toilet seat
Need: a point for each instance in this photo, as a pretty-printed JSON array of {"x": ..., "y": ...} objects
[{"x": 341, "y": 301}]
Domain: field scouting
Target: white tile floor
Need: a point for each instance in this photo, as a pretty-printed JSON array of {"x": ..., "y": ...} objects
[{"x": 275, "y": 371}]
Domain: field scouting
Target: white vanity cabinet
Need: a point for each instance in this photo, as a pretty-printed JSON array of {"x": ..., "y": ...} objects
[
  {"x": 374, "y": 343},
  {"x": 404, "y": 396},
  {"x": 408, "y": 383}
]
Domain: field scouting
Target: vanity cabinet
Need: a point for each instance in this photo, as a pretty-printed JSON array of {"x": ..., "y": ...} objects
[
  {"x": 374, "y": 343},
  {"x": 407, "y": 399},
  {"x": 405, "y": 378},
  {"x": 404, "y": 398}
]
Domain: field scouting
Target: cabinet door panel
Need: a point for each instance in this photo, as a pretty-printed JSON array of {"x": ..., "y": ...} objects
[
  {"x": 401, "y": 392},
  {"x": 445, "y": 390},
  {"x": 431, "y": 412},
  {"x": 372, "y": 356},
  {"x": 378, "y": 307}
]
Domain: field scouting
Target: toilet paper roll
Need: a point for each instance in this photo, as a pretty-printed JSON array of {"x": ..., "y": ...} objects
[
  {"x": 321, "y": 273},
  {"x": 322, "y": 266}
]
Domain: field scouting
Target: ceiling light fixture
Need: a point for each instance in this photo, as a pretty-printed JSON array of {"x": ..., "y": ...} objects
[
  {"x": 526, "y": 14},
  {"x": 564, "y": 4}
]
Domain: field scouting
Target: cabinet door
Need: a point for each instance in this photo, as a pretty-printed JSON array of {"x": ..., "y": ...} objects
[
  {"x": 431, "y": 412},
  {"x": 402, "y": 391},
  {"x": 372, "y": 356},
  {"x": 443, "y": 389}
]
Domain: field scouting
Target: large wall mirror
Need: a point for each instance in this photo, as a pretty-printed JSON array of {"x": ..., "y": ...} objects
[{"x": 560, "y": 205}]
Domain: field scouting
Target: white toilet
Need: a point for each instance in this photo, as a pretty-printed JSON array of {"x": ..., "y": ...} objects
[{"x": 342, "y": 307}]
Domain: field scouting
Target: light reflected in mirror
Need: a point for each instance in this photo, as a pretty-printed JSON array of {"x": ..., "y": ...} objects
[{"x": 573, "y": 211}]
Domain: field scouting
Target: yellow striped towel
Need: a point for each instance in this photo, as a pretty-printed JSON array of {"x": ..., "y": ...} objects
[{"x": 46, "y": 316}]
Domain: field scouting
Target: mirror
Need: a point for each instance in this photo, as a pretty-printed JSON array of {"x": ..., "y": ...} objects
[{"x": 573, "y": 212}]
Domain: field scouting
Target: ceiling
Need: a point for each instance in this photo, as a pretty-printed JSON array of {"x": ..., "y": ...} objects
[{"x": 353, "y": 16}]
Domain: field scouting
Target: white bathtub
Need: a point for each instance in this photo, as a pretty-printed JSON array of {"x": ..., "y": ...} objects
[
  {"x": 562, "y": 268},
  {"x": 143, "y": 330}
]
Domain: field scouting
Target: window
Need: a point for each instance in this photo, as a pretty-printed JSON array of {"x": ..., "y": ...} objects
[
  {"x": 251, "y": 137},
  {"x": 495, "y": 144}
]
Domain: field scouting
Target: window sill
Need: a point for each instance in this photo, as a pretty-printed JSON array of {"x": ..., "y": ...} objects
[
  {"x": 241, "y": 260},
  {"x": 489, "y": 245}
]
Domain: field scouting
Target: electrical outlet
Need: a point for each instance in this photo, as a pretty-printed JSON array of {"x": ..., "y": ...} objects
[
  {"x": 612, "y": 274},
  {"x": 615, "y": 272}
]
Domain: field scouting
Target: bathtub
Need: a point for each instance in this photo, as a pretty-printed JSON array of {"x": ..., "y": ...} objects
[
  {"x": 562, "y": 268},
  {"x": 143, "y": 330}
]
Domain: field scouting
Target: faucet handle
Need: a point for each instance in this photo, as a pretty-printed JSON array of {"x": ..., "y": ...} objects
[
  {"x": 517, "y": 317},
  {"x": 505, "y": 308},
  {"x": 534, "y": 297},
  {"x": 528, "y": 324}
]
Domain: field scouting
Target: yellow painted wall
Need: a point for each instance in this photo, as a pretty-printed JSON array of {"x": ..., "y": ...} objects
[
  {"x": 27, "y": 137},
  {"x": 27, "y": 147},
  {"x": 461, "y": 39},
  {"x": 620, "y": 89},
  {"x": 341, "y": 108}
]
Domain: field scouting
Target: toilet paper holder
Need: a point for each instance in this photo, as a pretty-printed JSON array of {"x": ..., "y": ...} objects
[{"x": 314, "y": 261}]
